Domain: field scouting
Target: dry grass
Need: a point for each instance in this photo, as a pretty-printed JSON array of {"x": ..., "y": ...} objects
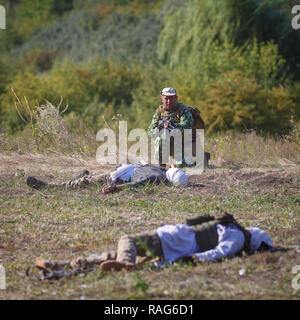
[
  {"x": 63, "y": 224},
  {"x": 252, "y": 150},
  {"x": 257, "y": 179},
  {"x": 239, "y": 151}
]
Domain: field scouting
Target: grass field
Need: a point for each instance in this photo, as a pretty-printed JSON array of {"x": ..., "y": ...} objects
[{"x": 64, "y": 224}]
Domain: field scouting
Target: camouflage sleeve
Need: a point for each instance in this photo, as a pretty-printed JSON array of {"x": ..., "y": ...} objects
[
  {"x": 186, "y": 120},
  {"x": 154, "y": 124}
]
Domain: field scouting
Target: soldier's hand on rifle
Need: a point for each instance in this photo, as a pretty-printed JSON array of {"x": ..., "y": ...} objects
[
  {"x": 163, "y": 124},
  {"x": 166, "y": 124}
]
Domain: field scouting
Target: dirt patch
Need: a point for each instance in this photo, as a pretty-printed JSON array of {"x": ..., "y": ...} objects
[
  {"x": 41, "y": 164},
  {"x": 221, "y": 181}
]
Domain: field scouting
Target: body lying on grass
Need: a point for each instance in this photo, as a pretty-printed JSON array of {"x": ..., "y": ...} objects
[
  {"x": 205, "y": 238},
  {"x": 125, "y": 175}
]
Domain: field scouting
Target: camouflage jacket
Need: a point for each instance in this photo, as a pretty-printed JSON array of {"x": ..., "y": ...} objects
[{"x": 180, "y": 115}]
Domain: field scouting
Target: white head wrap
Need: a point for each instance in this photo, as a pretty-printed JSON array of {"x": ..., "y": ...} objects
[
  {"x": 257, "y": 237},
  {"x": 177, "y": 176}
]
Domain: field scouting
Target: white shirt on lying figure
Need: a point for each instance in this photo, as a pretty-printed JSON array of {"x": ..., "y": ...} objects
[
  {"x": 124, "y": 172},
  {"x": 180, "y": 240}
]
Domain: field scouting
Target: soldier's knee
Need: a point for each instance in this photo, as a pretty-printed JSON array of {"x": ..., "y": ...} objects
[
  {"x": 126, "y": 238},
  {"x": 127, "y": 243}
]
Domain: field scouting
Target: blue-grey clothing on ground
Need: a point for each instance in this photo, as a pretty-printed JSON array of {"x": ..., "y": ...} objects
[
  {"x": 134, "y": 175},
  {"x": 180, "y": 240}
]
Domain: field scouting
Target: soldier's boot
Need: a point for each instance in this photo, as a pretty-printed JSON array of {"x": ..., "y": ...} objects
[
  {"x": 35, "y": 183},
  {"x": 129, "y": 247},
  {"x": 125, "y": 258},
  {"x": 111, "y": 265}
]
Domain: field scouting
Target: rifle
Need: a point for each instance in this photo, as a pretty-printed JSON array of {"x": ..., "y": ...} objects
[
  {"x": 56, "y": 274},
  {"x": 171, "y": 125}
]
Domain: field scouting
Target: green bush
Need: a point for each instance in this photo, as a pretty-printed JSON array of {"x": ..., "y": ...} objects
[
  {"x": 294, "y": 90},
  {"x": 84, "y": 34},
  {"x": 102, "y": 58},
  {"x": 28, "y": 15},
  {"x": 38, "y": 60},
  {"x": 259, "y": 60},
  {"x": 13, "y": 123},
  {"x": 236, "y": 102},
  {"x": 83, "y": 87},
  {"x": 146, "y": 97},
  {"x": 5, "y": 71}
]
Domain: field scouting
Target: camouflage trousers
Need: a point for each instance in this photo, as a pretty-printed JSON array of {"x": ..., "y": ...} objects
[
  {"x": 131, "y": 249},
  {"x": 86, "y": 180}
]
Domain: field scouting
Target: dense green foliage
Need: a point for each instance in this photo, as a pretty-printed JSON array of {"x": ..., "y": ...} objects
[
  {"x": 239, "y": 102},
  {"x": 196, "y": 26},
  {"x": 238, "y": 61},
  {"x": 23, "y": 17},
  {"x": 121, "y": 36}
]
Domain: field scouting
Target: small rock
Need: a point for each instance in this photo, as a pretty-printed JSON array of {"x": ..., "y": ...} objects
[{"x": 242, "y": 271}]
